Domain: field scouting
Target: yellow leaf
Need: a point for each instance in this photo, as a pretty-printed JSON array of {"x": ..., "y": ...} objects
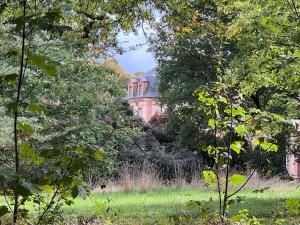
[
  {"x": 186, "y": 29},
  {"x": 195, "y": 16}
]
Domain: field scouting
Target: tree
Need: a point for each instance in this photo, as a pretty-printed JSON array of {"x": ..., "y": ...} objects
[
  {"x": 120, "y": 72},
  {"x": 192, "y": 50},
  {"x": 32, "y": 67},
  {"x": 266, "y": 67},
  {"x": 233, "y": 127},
  {"x": 198, "y": 42}
]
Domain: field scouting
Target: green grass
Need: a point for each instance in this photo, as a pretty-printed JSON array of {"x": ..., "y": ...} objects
[
  {"x": 166, "y": 202},
  {"x": 153, "y": 207}
]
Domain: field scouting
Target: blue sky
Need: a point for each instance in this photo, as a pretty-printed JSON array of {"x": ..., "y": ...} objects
[{"x": 135, "y": 60}]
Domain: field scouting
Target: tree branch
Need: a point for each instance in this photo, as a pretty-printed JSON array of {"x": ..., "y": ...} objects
[
  {"x": 53, "y": 196},
  {"x": 294, "y": 8},
  {"x": 89, "y": 26},
  {"x": 238, "y": 190},
  {"x": 16, "y": 115},
  {"x": 60, "y": 135}
]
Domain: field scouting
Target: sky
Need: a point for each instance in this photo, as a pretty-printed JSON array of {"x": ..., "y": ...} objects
[{"x": 137, "y": 60}]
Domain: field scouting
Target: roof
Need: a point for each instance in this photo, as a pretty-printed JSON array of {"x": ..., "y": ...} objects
[{"x": 152, "y": 89}]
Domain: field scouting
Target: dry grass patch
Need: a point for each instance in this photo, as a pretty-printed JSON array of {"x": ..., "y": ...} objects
[{"x": 147, "y": 178}]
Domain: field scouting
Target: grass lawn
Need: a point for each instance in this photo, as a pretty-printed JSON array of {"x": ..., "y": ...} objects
[{"x": 153, "y": 206}]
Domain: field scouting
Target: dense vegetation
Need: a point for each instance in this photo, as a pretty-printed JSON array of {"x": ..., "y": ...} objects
[
  {"x": 229, "y": 76},
  {"x": 249, "y": 46}
]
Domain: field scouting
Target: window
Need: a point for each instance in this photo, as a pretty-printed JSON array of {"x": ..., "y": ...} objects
[
  {"x": 140, "y": 112},
  {"x": 130, "y": 91},
  {"x": 140, "y": 90}
]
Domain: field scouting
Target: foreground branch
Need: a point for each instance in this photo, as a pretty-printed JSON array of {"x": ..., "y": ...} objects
[
  {"x": 241, "y": 187},
  {"x": 16, "y": 115}
]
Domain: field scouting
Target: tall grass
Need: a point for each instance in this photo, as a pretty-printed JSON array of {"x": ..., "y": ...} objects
[{"x": 146, "y": 177}]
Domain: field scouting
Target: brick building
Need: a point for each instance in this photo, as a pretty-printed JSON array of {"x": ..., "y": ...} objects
[{"x": 143, "y": 96}]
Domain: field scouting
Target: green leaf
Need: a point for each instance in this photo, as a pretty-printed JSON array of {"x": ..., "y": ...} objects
[
  {"x": 47, "y": 188},
  {"x": 268, "y": 146},
  {"x": 241, "y": 130},
  {"x": 264, "y": 21},
  {"x": 210, "y": 177},
  {"x": 274, "y": 28},
  {"x": 99, "y": 207},
  {"x": 237, "y": 146},
  {"x": 44, "y": 181},
  {"x": 19, "y": 21},
  {"x": 48, "y": 153},
  {"x": 237, "y": 179},
  {"x": 26, "y": 128},
  {"x": 236, "y": 218},
  {"x": 224, "y": 100},
  {"x": 27, "y": 152},
  {"x": 278, "y": 117},
  {"x": 3, "y": 211},
  {"x": 256, "y": 141},
  {"x": 50, "y": 22},
  {"x": 54, "y": 16},
  {"x": 69, "y": 202},
  {"x": 74, "y": 192},
  {"x": 13, "y": 52},
  {"x": 99, "y": 154},
  {"x": 36, "y": 108},
  {"x": 48, "y": 66},
  {"x": 12, "y": 107},
  {"x": 213, "y": 123},
  {"x": 67, "y": 181},
  {"x": 10, "y": 79},
  {"x": 239, "y": 111},
  {"x": 210, "y": 149},
  {"x": 23, "y": 191},
  {"x": 79, "y": 150}
]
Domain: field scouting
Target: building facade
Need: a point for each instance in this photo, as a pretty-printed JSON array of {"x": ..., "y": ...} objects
[
  {"x": 142, "y": 96},
  {"x": 293, "y": 160}
]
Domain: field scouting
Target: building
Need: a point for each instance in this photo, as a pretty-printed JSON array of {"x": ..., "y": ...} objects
[
  {"x": 292, "y": 160},
  {"x": 143, "y": 96}
]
